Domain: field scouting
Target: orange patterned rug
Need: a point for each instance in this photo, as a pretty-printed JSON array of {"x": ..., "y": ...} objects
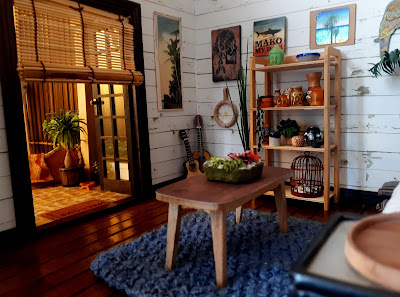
[{"x": 74, "y": 209}]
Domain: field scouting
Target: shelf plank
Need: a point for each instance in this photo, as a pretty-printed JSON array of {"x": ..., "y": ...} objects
[
  {"x": 293, "y": 66},
  {"x": 289, "y": 195},
  {"x": 288, "y": 147},
  {"x": 275, "y": 108}
]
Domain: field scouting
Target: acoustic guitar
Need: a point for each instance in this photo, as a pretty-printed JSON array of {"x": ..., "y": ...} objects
[
  {"x": 201, "y": 155},
  {"x": 192, "y": 166}
]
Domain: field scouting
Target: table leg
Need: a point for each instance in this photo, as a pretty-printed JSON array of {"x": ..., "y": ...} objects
[
  {"x": 239, "y": 212},
  {"x": 280, "y": 201},
  {"x": 174, "y": 224},
  {"x": 218, "y": 226}
]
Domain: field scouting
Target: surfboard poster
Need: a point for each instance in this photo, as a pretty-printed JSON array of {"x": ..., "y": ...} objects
[{"x": 267, "y": 34}]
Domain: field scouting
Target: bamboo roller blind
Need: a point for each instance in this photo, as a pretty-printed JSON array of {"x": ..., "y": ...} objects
[{"x": 64, "y": 41}]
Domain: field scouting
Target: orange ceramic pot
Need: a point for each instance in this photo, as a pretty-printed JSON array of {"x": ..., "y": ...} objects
[
  {"x": 297, "y": 96},
  {"x": 283, "y": 101},
  {"x": 315, "y": 94},
  {"x": 267, "y": 101}
]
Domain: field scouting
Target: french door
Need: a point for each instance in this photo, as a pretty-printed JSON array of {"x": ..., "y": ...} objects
[{"x": 113, "y": 137}]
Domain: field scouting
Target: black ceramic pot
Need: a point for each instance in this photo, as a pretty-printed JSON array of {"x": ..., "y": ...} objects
[{"x": 314, "y": 137}]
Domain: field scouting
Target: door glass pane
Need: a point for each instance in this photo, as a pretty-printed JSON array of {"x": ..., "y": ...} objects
[
  {"x": 122, "y": 149},
  {"x": 104, "y": 89},
  {"x": 123, "y": 171},
  {"x": 105, "y": 106},
  {"x": 120, "y": 127},
  {"x": 108, "y": 149},
  {"x": 106, "y": 127},
  {"x": 109, "y": 169},
  {"x": 119, "y": 106},
  {"x": 118, "y": 89}
]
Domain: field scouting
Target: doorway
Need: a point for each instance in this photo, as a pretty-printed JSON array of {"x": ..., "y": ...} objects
[
  {"x": 104, "y": 152},
  {"x": 14, "y": 113}
]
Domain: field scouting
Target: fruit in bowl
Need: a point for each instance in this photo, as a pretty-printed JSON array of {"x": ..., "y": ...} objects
[{"x": 238, "y": 168}]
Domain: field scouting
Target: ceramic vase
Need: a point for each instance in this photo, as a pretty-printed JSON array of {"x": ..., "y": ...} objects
[
  {"x": 315, "y": 94},
  {"x": 276, "y": 56},
  {"x": 283, "y": 101},
  {"x": 296, "y": 96}
]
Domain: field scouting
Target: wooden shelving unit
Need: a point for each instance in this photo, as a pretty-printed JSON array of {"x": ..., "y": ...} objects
[{"x": 331, "y": 57}]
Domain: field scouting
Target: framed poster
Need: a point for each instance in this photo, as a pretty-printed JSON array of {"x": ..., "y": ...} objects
[
  {"x": 167, "y": 35},
  {"x": 267, "y": 34},
  {"x": 333, "y": 26},
  {"x": 226, "y": 53}
]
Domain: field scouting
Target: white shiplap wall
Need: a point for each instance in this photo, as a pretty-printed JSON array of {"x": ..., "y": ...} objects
[
  {"x": 7, "y": 217},
  {"x": 370, "y": 113},
  {"x": 167, "y": 151}
]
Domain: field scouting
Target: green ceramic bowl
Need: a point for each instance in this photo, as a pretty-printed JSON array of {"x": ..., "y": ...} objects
[{"x": 235, "y": 176}]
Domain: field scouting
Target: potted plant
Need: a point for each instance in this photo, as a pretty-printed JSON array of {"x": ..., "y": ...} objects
[
  {"x": 96, "y": 173},
  {"x": 275, "y": 138},
  {"x": 64, "y": 129},
  {"x": 243, "y": 126},
  {"x": 388, "y": 63},
  {"x": 288, "y": 129}
]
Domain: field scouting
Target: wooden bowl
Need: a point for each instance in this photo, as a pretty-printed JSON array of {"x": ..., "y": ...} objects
[{"x": 373, "y": 249}]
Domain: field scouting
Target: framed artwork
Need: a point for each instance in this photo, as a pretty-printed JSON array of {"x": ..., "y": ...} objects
[
  {"x": 333, "y": 26},
  {"x": 167, "y": 35},
  {"x": 226, "y": 53},
  {"x": 267, "y": 34}
]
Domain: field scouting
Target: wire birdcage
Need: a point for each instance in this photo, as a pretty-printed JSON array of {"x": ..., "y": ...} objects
[{"x": 308, "y": 177}]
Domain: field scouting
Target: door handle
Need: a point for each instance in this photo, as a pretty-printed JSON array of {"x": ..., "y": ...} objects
[{"x": 96, "y": 102}]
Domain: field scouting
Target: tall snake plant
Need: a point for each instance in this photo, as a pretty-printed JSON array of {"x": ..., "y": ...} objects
[{"x": 243, "y": 126}]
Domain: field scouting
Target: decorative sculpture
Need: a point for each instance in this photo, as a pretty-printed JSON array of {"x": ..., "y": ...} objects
[{"x": 390, "y": 22}]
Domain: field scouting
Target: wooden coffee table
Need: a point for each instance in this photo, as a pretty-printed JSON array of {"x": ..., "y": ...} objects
[{"x": 218, "y": 199}]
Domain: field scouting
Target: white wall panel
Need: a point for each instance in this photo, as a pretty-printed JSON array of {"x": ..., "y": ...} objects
[{"x": 370, "y": 106}]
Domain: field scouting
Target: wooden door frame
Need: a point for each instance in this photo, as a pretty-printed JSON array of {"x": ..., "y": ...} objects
[{"x": 14, "y": 117}]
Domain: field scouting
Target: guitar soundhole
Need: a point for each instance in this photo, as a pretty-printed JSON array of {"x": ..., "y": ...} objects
[{"x": 193, "y": 168}]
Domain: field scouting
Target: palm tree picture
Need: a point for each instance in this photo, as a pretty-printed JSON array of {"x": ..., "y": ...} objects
[
  {"x": 332, "y": 26},
  {"x": 168, "y": 62}
]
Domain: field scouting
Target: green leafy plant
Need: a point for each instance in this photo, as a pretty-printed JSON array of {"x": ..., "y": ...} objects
[
  {"x": 289, "y": 128},
  {"x": 225, "y": 164},
  {"x": 64, "y": 129},
  {"x": 387, "y": 64},
  {"x": 243, "y": 126},
  {"x": 96, "y": 167}
]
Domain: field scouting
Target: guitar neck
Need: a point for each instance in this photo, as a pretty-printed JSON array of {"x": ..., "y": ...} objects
[
  {"x": 199, "y": 142},
  {"x": 188, "y": 151}
]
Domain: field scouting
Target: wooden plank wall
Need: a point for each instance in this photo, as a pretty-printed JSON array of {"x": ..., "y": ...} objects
[
  {"x": 370, "y": 107},
  {"x": 167, "y": 151},
  {"x": 43, "y": 98},
  {"x": 7, "y": 217}
]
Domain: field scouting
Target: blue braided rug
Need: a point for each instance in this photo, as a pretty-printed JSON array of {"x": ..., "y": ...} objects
[{"x": 259, "y": 258}]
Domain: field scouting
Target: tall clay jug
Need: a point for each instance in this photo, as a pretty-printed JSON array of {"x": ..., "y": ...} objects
[{"x": 315, "y": 94}]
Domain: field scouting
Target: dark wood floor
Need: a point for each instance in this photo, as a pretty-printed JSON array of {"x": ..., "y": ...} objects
[{"x": 57, "y": 263}]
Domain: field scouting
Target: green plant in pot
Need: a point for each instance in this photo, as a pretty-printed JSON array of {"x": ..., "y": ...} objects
[
  {"x": 64, "y": 129},
  {"x": 288, "y": 129},
  {"x": 387, "y": 64}
]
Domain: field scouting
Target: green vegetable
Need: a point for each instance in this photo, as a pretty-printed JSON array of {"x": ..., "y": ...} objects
[{"x": 226, "y": 164}]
